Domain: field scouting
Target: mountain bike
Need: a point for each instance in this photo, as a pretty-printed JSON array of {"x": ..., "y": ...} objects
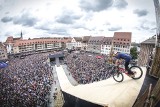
[{"x": 118, "y": 71}]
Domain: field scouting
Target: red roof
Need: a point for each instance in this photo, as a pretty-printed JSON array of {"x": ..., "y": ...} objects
[
  {"x": 122, "y": 38},
  {"x": 9, "y": 39},
  {"x": 39, "y": 41}
]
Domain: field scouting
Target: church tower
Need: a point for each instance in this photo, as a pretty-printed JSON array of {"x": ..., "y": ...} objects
[{"x": 21, "y": 35}]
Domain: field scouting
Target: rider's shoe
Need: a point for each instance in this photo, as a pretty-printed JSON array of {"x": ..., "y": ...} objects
[{"x": 131, "y": 74}]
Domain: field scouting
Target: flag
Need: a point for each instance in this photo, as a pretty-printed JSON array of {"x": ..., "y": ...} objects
[{"x": 3, "y": 65}]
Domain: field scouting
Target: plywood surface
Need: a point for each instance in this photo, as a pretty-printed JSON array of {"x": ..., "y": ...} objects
[{"x": 107, "y": 92}]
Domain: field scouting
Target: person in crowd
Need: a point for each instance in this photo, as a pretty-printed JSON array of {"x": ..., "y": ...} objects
[
  {"x": 26, "y": 82},
  {"x": 86, "y": 68}
]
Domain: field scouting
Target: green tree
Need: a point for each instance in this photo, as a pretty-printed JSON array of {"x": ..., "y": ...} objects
[{"x": 133, "y": 52}]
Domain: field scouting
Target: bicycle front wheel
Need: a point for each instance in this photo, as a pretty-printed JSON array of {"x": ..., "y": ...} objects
[
  {"x": 118, "y": 77},
  {"x": 138, "y": 72}
]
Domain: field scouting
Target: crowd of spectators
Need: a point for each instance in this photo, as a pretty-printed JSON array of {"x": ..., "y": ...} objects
[
  {"x": 87, "y": 68},
  {"x": 26, "y": 82}
]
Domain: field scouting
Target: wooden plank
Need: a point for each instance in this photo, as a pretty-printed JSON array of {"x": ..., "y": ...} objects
[
  {"x": 155, "y": 69},
  {"x": 142, "y": 99},
  {"x": 155, "y": 96}
]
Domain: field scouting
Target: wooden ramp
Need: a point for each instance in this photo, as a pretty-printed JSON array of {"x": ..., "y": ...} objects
[{"x": 106, "y": 93}]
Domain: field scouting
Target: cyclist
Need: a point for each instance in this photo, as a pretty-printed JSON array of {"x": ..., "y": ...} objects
[{"x": 127, "y": 59}]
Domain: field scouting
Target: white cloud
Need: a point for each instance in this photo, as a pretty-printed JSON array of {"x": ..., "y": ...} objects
[{"x": 74, "y": 18}]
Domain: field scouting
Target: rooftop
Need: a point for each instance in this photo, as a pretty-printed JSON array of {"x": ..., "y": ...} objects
[
  {"x": 151, "y": 40},
  {"x": 123, "y": 35},
  {"x": 85, "y": 39}
]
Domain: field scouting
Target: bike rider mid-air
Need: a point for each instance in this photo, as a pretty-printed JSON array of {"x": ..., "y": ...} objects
[{"x": 127, "y": 59}]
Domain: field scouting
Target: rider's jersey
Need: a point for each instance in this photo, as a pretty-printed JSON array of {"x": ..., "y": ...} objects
[{"x": 124, "y": 56}]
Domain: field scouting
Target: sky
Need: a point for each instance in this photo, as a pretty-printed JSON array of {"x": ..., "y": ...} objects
[{"x": 73, "y": 18}]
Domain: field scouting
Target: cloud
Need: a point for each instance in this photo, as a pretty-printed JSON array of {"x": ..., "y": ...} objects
[
  {"x": 6, "y": 19},
  {"x": 140, "y": 13},
  {"x": 43, "y": 27},
  {"x": 153, "y": 28},
  {"x": 67, "y": 17},
  {"x": 58, "y": 31},
  {"x": 48, "y": 4},
  {"x": 52, "y": 30},
  {"x": 25, "y": 20},
  {"x": 146, "y": 25},
  {"x": 6, "y": 12},
  {"x": 114, "y": 28},
  {"x": 95, "y": 5},
  {"x": 78, "y": 26},
  {"x": 120, "y": 4},
  {"x": 143, "y": 27},
  {"x": 0, "y": 7}
]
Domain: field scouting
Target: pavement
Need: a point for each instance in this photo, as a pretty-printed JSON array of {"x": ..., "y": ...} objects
[
  {"x": 56, "y": 91},
  {"x": 69, "y": 76}
]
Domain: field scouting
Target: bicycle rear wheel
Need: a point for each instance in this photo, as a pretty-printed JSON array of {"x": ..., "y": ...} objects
[
  {"x": 118, "y": 76},
  {"x": 138, "y": 72}
]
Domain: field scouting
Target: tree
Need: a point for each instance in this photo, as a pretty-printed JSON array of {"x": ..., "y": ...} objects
[{"x": 133, "y": 52}]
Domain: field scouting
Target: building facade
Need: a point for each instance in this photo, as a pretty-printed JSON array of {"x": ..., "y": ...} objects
[
  {"x": 37, "y": 44},
  {"x": 94, "y": 44},
  {"x": 76, "y": 43},
  {"x": 10, "y": 42},
  {"x": 106, "y": 45},
  {"x": 146, "y": 48},
  {"x": 3, "y": 52},
  {"x": 85, "y": 40},
  {"x": 122, "y": 42}
]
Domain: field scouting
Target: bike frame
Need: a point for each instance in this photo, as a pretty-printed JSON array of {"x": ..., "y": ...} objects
[{"x": 122, "y": 70}]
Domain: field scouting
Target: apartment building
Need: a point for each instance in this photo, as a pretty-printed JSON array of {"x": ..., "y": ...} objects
[
  {"x": 85, "y": 40},
  {"x": 122, "y": 42},
  {"x": 76, "y": 43},
  {"x": 10, "y": 42},
  {"x": 3, "y": 52},
  {"x": 36, "y": 44},
  {"x": 94, "y": 44},
  {"x": 106, "y": 45}
]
